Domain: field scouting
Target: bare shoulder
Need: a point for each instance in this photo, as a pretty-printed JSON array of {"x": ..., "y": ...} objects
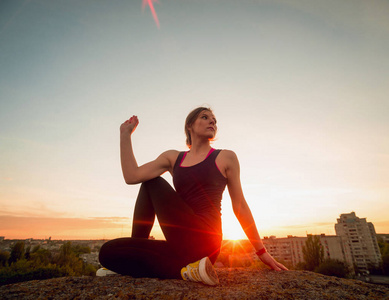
[
  {"x": 228, "y": 155},
  {"x": 169, "y": 153},
  {"x": 227, "y": 161},
  {"x": 171, "y": 156}
]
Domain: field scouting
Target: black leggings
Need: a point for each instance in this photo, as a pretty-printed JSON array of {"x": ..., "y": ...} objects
[{"x": 188, "y": 238}]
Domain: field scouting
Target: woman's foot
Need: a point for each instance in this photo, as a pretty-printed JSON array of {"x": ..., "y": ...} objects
[{"x": 200, "y": 271}]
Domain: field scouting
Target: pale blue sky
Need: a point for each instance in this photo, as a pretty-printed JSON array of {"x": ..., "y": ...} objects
[{"x": 300, "y": 90}]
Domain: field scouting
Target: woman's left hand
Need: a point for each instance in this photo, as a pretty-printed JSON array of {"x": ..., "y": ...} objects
[
  {"x": 129, "y": 126},
  {"x": 267, "y": 259}
]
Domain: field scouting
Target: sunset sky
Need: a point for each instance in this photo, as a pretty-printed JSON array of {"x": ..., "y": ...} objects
[{"x": 300, "y": 90}]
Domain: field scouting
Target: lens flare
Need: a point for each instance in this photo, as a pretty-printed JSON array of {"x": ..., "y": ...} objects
[{"x": 150, "y": 4}]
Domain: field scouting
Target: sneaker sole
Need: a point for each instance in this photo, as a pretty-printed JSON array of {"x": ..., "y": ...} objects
[
  {"x": 207, "y": 272},
  {"x": 104, "y": 272}
]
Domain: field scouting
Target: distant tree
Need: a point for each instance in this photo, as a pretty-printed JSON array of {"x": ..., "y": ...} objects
[
  {"x": 70, "y": 260},
  {"x": 384, "y": 249},
  {"x": 17, "y": 252},
  {"x": 89, "y": 270},
  {"x": 27, "y": 252},
  {"x": 333, "y": 267},
  {"x": 66, "y": 250},
  {"x": 4, "y": 257},
  {"x": 385, "y": 264},
  {"x": 41, "y": 257},
  {"x": 43, "y": 264},
  {"x": 81, "y": 249},
  {"x": 36, "y": 248},
  {"x": 313, "y": 252}
]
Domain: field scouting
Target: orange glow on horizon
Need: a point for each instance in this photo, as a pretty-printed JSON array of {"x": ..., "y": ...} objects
[{"x": 18, "y": 227}]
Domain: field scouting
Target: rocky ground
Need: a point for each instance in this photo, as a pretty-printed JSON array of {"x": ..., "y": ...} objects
[{"x": 234, "y": 284}]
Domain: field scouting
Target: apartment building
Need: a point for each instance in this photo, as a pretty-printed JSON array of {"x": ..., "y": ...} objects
[
  {"x": 290, "y": 249},
  {"x": 358, "y": 240}
]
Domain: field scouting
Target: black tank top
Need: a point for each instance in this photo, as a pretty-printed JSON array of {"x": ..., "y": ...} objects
[{"x": 201, "y": 186}]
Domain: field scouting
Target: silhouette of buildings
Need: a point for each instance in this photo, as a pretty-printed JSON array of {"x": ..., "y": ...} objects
[
  {"x": 359, "y": 241},
  {"x": 290, "y": 249},
  {"x": 355, "y": 242}
]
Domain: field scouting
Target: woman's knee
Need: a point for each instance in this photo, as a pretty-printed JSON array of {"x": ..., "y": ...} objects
[
  {"x": 156, "y": 188},
  {"x": 103, "y": 254},
  {"x": 154, "y": 182},
  {"x": 107, "y": 251}
]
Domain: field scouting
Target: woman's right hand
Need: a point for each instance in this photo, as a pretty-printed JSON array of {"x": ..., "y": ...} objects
[
  {"x": 267, "y": 259},
  {"x": 128, "y": 127}
]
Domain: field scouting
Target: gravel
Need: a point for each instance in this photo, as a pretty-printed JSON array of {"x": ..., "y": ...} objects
[{"x": 236, "y": 283}]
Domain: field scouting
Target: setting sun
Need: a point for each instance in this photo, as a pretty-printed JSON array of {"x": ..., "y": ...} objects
[
  {"x": 231, "y": 227},
  {"x": 234, "y": 233}
]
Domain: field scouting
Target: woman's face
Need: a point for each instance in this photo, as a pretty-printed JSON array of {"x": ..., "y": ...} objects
[{"x": 205, "y": 125}]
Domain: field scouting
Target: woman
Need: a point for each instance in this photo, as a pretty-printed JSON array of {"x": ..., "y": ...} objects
[{"x": 189, "y": 216}]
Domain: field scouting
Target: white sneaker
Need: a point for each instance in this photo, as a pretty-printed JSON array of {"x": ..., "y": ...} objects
[
  {"x": 104, "y": 272},
  {"x": 200, "y": 271}
]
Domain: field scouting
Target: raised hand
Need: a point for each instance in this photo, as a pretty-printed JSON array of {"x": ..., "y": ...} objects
[{"x": 129, "y": 126}]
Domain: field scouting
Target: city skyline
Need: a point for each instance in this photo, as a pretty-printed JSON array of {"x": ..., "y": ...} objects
[
  {"x": 125, "y": 227},
  {"x": 299, "y": 89}
]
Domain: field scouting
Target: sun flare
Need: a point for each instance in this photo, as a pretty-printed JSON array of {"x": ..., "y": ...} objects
[
  {"x": 232, "y": 229},
  {"x": 152, "y": 9}
]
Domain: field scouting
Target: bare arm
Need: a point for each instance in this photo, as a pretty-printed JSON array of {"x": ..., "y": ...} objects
[
  {"x": 132, "y": 173},
  {"x": 243, "y": 212}
]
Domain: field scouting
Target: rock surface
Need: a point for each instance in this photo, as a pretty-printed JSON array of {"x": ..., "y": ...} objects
[{"x": 237, "y": 283}]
